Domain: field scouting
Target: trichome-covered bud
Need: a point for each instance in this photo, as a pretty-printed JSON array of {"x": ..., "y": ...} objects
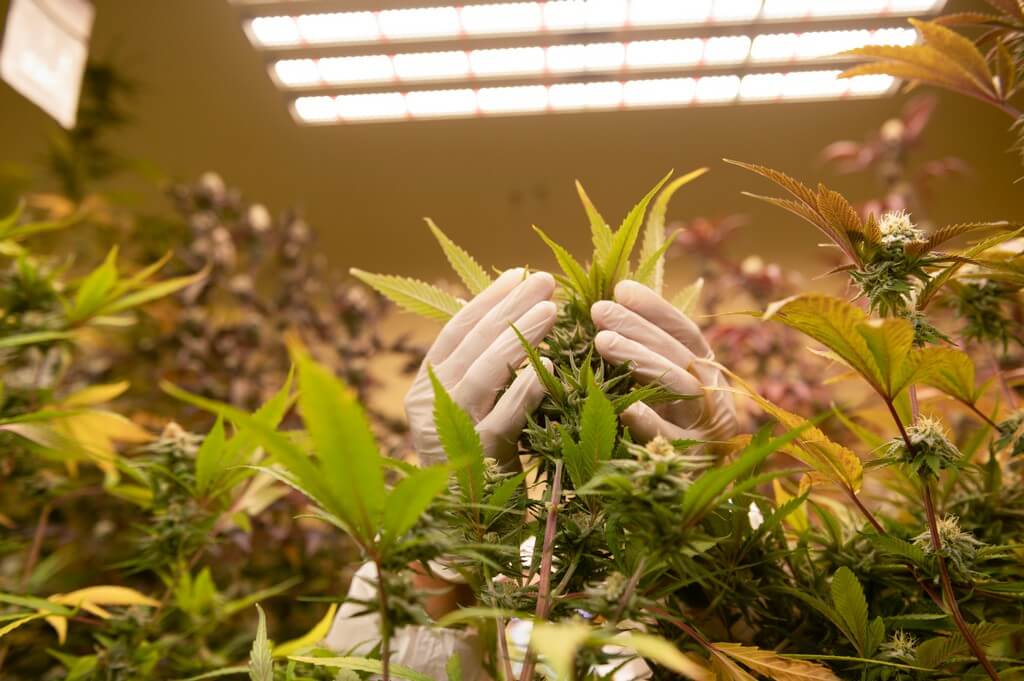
[
  {"x": 898, "y": 229},
  {"x": 900, "y": 646},
  {"x": 959, "y": 548},
  {"x": 1011, "y": 434},
  {"x": 931, "y": 449}
]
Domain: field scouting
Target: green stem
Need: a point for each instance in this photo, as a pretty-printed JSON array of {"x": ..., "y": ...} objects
[{"x": 385, "y": 624}]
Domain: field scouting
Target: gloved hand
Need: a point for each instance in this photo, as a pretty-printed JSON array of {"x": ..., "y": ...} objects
[
  {"x": 664, "y": 347},
  {"x": 474, "y": 358}
]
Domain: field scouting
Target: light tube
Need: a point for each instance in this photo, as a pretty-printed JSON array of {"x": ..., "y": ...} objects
[
  {"x": 552, "y": 17},
  {"x": 597, "y": 96},
  {"x": 413, "y": 67}
]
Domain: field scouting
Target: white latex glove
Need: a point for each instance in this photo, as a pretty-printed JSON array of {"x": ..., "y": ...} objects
[
  {"x": 474, "y": 358},
  {"x": 425, "y": 649},
  {"x": 664, "y": 346}
]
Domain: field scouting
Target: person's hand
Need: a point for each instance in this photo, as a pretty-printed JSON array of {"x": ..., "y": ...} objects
[
  {"x": 474, "y": 358},
  {"x": 665, "y": 347}
]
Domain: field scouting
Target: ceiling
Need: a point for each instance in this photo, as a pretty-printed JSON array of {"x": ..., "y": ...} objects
[{"x": 208, "y": 104}]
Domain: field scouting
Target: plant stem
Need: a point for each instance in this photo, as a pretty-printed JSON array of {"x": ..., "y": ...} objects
[
  {"x": 630, "y": 589},
  {"x": 37, "y": 543},
  {"x": 982, "y": 415},
  {"x": 864, "y": 511},
  {"x": 385, "y": 625},
  {"x": 947, "y": 586},
  {"x": 547, "y": 555},
  {"x": 1008, "y": 394},
  {"x": 936, "y": 541}
]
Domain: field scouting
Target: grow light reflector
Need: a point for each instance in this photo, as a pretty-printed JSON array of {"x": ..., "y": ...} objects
[
  {"x": 638, "y": 55},
  {"x": 597, "y": 96},
  {"x": 552, "y": 17}
]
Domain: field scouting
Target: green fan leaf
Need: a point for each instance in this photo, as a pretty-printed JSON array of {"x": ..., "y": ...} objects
[
  {"x": 469, "y": 270},
  {"x": 412, "y": 295},
  {"x": 852, "y": 608},
  {"x": 460, "y": 441},
  {"x": 651, "y": 271}
]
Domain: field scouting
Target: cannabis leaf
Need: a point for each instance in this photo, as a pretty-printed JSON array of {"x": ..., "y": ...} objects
[
  {"x": 775, "y": 666},
  {"x": 651, "y": 271},
  {"x": 261, "y": 662},
  {"x": 364, "y": 664},
  {"x": 461, "y": 443},
  {"x": 469, "y": 270},
  {"x": 852, "y": 608},
  {"x": 946, "y": 59},
  {"x": 413, "y": 295},
  {"x": 686, "y": 300},
  {"x": 598, "y": 426}
]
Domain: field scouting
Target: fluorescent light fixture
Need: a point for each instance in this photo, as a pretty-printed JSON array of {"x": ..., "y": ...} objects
[
  {"x": 711, "y": 89},
  {"x": 439, "y": 103},
  {"x": 579, "y": 58},
  {"x": 491, "y": 100},
  {"x": 664, "y": 53},
  {"x": 274, "y": 32},
  {"x": 583, "y": 96},
  {"x": 413, "y": 67},
  {"x": 599, "y": 96},
  {"x": 516, "y": 17},
  {"x": 553, "y": 16},
  {"x": 818, "y": 9},
  {"x": 508, "y": 61},
  {"x": 659, "y": 92},
  {"x": 785, "y": 47},
  {"x": 668, "y": 13},
  {"x": 730, "y": 49},
  {"x": 349, "y": 70},
  {"x": 372, "y": 106},
  {"x": 419, "y": 22},
  {"x": 737, "y": 10},
  {"x": 316, "y": 109},
  {"x": 429, "y": 65},
  {"x": 338, "y": 27},
  {"x": 297, "y": 72}
]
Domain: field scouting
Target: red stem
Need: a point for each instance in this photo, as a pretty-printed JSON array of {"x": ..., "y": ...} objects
[
  {"x": 547, "y": 555},
  {"x": 947, "y": 586}
]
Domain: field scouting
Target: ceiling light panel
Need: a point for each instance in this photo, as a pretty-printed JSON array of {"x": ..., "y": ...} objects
[
  {"x": 596, "y": 96},
  {"x": 559, "y": 60},
  {"x": 552, "y": 17}
]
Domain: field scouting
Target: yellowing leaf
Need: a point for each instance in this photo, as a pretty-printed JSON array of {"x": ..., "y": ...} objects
[
  {"x": 413, "y": 295},
  {"x": 949, "y": 370},
  {"x": 774, "y": 666},
  {"x": 103, "y": 595},
  {"x": 601, "y": 233},
  {"x": 812, "y": 447},
  {"x": 95, "y": 394},
  {"x": 469, "y": 270},
  {"x": 310, "y": 638},
  {"x": 798, "y": 518},
  {"x": 880, "y": 350},
  {"x": 686, "y": 300},
  {"x": 557, "y": 644},
  {"x": 654, "y": 230},
  {"x": 958, "y": 50},
  {"x": 60, "y": 626},
  {"x": 664, "y": 653},
  {"x": 14, "y": 624}
]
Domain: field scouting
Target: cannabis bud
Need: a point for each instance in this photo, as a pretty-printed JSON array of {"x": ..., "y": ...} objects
[
  {"x": 900, "y": 646},
  {"x": 959, "y": 548},
  {"x": 931, "y": 450},
  {"x": 1011, "y": 434},
  {"x": 660, "y": 469},
  {"x": 897, "y": 229}
]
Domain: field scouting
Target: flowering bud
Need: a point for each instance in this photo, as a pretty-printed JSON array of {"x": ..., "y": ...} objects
[{"x": 931, "y": 450}]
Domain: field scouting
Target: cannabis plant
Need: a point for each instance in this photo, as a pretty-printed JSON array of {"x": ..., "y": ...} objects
[{"x": 988, "y": 68}]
